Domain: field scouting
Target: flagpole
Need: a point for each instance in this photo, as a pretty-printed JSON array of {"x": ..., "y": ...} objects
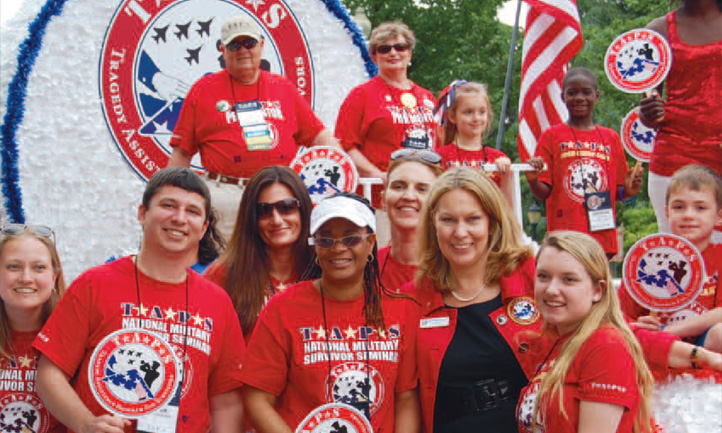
[{"x": 509, "y": 70}]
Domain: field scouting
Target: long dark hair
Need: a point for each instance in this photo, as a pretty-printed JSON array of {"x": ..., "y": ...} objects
[
  {"x": 245, "y": 259},
  {"x": 373, "y": 288}
]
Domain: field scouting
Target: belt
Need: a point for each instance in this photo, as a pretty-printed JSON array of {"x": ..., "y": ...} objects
[
  {"x": 482, "y": 396},
  {"x": 222, "y": 178}
]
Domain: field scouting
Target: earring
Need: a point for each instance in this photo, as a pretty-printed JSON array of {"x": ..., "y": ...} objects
[{"x": 370, "y": 258}]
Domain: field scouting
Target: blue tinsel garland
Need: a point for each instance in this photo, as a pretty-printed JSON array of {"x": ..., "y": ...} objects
[
  {"x": 18, "y": 88},
  {"x": 16, "y": 108},
  {"x": 357, "y": 36}
]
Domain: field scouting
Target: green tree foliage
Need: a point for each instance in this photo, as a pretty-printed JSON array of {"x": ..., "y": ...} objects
[{"x": 464, "y": 39}]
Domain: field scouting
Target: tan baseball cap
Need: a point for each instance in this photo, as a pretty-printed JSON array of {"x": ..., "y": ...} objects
[{"x": 240, "y": 25}]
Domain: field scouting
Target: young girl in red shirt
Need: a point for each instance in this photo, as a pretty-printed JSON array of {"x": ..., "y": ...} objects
[{"x": 466, "y": 116}]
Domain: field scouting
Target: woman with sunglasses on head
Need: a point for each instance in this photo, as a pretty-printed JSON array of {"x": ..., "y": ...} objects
[
  {"x": 269, "y": 248},
  {"x": 475, "y": 286},
  {"x": 389, "y": 111},
  {"x": 337, "y": 336},
  {"x": 411, "y": 174},
  {"x": 31, "y": 284}
]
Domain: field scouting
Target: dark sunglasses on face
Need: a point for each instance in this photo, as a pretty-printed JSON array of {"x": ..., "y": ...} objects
[
  {"x": 426, "y": 155},
  {"x": 248, "y": 44},
  {"x": 385, "y": 49},
  {"x": 347, "y": 241},
  {"x": 283, "y": 207},
  {"x": 17, "y": 228}
]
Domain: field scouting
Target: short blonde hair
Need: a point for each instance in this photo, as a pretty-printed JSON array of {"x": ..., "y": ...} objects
[
  {"x": 504, "y": 251},
  {"x": 390, "y": 30},
  {"x": 696, "y": 177}
]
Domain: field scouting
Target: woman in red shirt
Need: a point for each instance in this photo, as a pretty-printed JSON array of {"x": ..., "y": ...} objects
[
  {"x": 268, "y": 249},
  {"x": 593, "y": 378},
  {"x": 31, "y": 284}
]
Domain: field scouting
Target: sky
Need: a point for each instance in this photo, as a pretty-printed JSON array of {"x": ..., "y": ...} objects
[{"x": 506, "y": 13}]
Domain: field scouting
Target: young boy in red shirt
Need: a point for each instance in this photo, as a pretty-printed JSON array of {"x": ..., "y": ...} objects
[
  {"x": 693, "y": 207},
  {"x": 587, "y": 170}
]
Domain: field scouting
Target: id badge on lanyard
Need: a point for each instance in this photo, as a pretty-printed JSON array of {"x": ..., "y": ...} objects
[
  {"x": 256, "y": 132},
  {"x": 418, "y": 141},
  {"x": 599, "y": 210},
  {"x": 163, "y": 420}
]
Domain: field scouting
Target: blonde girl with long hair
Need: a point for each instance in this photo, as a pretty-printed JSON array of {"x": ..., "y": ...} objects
[
  {"x": 466, "y": 118},
  {"x": 31, "y": 284},
  {"x": 594, "y": 376}
]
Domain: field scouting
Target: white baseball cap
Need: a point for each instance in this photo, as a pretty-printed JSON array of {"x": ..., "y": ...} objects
[
  {"x": 240, "y": 25},
  {"x": 342, "y": 207}
]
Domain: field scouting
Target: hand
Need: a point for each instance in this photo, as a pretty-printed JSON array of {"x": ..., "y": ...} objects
[
  {"x": 651, "y": 110},
  {"x": 633, "y": 181},
  {"x": 503, "y": 164},
  {"x": 650, "y": 323},
  {"x": 169, "y": 88},
  {"x": 538, "y": 164},
  {"x": 105, "y": 424}
]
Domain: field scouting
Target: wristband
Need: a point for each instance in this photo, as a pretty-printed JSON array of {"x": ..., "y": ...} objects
[
  {"x": 621, "y": 197},
  {"x": 694, "y": 357}
]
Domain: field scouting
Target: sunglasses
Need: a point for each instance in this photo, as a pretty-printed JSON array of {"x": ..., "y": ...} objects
[
  {"x": 283, "y": 207},
  {"x": 346, "y": 241},
  {"x": 385, "y": 49},
  {"x": 425, "y": 155},
  {"x": 248, "y": 44},
  {"x": 17, "y": 228}
]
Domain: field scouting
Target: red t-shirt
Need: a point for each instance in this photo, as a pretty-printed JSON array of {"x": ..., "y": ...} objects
[
  {"x": 216, "y": 133},
  {"x": 374, "y": 120},
  {"x": 21, "y": 409},
  {"x": 453, "y": 156},
  {"x": 288, "y": 354},
  {"x": 709, "y": 298},
  {"x": 104, "y": 299},
  {"x": 394, "y": 274},
  {"x": 594, "y": 157},
  {"x": 602, "y": 371}
]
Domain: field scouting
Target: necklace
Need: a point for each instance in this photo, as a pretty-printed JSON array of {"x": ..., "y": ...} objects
[{"x": 470, "y": 298}]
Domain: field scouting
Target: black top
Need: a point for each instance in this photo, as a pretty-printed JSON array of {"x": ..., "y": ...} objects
[{"x": 480, "y": 378}]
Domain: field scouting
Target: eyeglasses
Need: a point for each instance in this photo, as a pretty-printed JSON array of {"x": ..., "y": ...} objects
[
  {"x": 283, "y": 207},
  {"x": 346, "y": 241},
  {"x": 425, "y": 155},
  {"x": 385, "y": 49},
  {"x": 17, "y": 228},
  {"x": 248, "y": 44}
]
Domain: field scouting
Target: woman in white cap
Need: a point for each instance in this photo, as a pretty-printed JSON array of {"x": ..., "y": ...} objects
[{"x": 336, "y": 338}]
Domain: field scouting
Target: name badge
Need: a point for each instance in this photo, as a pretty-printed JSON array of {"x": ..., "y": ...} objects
[
  {"x": 435, "y": 322},
  {"x": 163, "y": 420},
  {"x": 417, "y": 141},
  {"x": 256, "y": 132},
  {"x": 599, "y": 210}
]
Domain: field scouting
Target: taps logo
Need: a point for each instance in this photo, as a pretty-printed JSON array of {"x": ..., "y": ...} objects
[
  {"x": 638, "y": 60},
  {"x": 664, "y": 272},
  {"x": 153, "y": 52},
  {"x": 334, "y": 418},
  {"x": 133, "y": 372},
  {"x": 22, "y": 413},
  {"x": 638, "y": 139}
]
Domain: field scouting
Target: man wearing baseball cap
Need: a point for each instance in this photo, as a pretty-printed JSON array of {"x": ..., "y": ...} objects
[{"x": 242, "y": 119}]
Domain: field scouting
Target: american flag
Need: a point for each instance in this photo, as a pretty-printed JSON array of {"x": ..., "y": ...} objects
[{"x": 553, "y": 36}]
